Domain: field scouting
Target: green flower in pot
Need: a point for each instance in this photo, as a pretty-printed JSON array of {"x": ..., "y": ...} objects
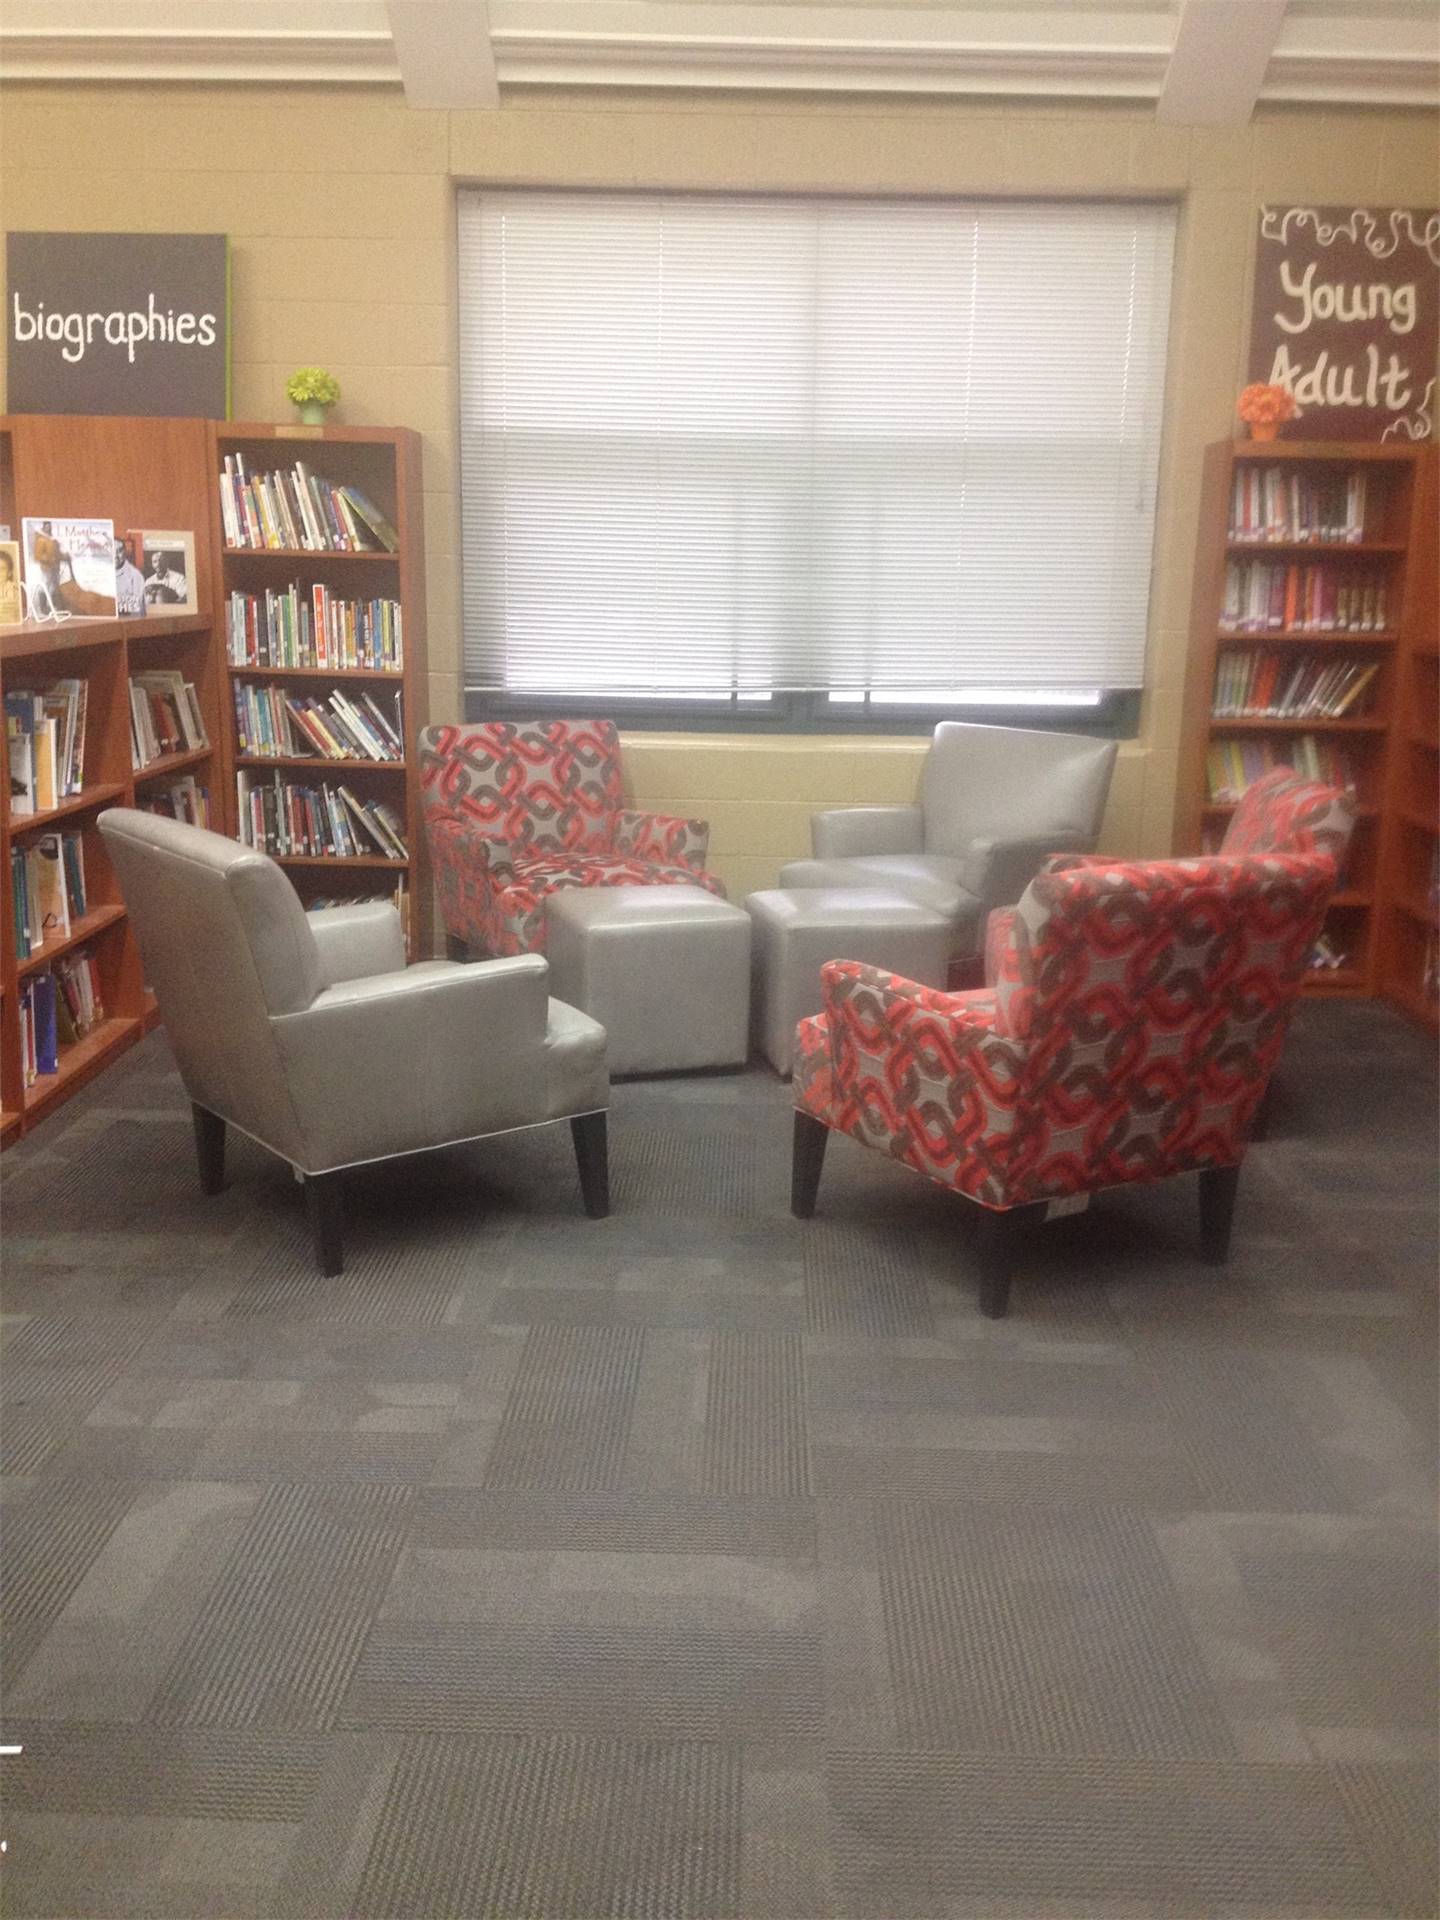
[{"x": 314, "y": 392}]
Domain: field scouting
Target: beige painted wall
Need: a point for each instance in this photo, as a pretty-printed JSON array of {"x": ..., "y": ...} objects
[{"x": 339, "y": 208}]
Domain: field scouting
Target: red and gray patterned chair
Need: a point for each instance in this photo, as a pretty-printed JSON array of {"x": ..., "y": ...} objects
[
  {"x": 1137, "y": 1011},
  {"x": 516, "y": 811}
]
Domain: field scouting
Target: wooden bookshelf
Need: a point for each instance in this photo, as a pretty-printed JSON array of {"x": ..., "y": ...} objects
[
  {"x": 384, "y": 462},
  {"x": 1396, "y": 553},
  {"x": 136, "y": 473},
  {"x": 1408, "y": 952}
]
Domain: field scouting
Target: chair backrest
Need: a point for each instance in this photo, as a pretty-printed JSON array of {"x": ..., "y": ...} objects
[
  {"x": 1287, "y": 812},
  {"x": 225, "y": 944},
  {"x": 1149, "y": 1001},
  {"x": 1012, "y": 783},
  {"x": 549, "y": 786}
]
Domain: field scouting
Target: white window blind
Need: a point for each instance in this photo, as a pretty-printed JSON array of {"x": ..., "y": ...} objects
[{"x": 720, "y": 445}]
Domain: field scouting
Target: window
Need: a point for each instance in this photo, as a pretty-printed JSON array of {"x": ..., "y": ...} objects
[{"x": 890, "y": 453}]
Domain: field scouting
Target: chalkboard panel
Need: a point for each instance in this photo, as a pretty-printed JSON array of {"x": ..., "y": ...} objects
[
  {"x": 128, "y": 323},
  {"x": 1345, "y": 316}
]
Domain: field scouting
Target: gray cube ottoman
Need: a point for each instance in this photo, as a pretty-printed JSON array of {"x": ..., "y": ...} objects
[
  {"x": 797, "y": 930},
  {"x": 665, "y": 970}
]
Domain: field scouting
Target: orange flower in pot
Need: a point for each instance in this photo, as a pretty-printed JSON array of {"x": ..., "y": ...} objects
[{"x": 1263, "y": 407}]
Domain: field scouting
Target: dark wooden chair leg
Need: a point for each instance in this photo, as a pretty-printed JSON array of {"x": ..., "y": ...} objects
[
  {"x": 325, "y": 1204},
  {"x": 456, "y": 948},
  {"x": 1260, "y": 1125},
  {"x": 1218, "y": 1187},
  {"x": 996, "y": 1242},
  {"x": 807, "y": 1159},
  {"x": 592, "y": 1158},
  {"x": 209, "y": 1148}
]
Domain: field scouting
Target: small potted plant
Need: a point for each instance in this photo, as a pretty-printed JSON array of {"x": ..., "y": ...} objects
[
  {"x": 1263, "y": 407},
  {"x": 314, "y": 392}
]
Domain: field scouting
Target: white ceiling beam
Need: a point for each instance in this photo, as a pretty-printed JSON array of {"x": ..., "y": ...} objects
[
  {"x": 445, "y": 52},
  {"x": 1217, "y": 65}
]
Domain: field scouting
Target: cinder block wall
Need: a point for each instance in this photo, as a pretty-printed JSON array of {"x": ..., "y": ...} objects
[{"x": 339, "y": 204}]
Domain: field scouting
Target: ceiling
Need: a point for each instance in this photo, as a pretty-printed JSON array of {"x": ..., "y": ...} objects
[{"x": 1198, "y": 61}]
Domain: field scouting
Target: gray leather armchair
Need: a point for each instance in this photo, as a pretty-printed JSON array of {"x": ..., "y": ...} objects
[
  {"x": 994, "y": 802},
  {"x": 308, "y": 1031}
]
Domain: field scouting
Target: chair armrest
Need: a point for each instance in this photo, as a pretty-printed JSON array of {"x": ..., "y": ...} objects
[
  {"x": 407, "y": 1060},
  {"x": 469, "y": 867},
  {"x": 355, "y": 942},
  {"x": 843, "y": 833},
  {"x": 852, "y": 991},
  {"x": 997, "y": 871},
  {"x": 662, "y": 837}
]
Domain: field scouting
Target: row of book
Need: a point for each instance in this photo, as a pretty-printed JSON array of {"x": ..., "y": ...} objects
[
  {"x": 165, "y": 716},
  {"x": 314, "y": 628},
  {"x": 271, "y": 723},
  {"x": 1275, "y": 503},
  {"x": 45, "y": 745},
  {"x": 182, "y": 800},
  {"x": 1232, "y": 765},
  {"x": 300, "y": 510},
  {"x": 58, "y": 1006},
  {"x": 283, "y": 817},
  {"x": 1258, "y": 683},
  {"x": 47, "y": 890},
  {"x": 1261, "y": 594}
]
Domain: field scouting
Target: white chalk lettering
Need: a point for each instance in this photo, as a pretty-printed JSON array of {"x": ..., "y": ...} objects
[{"x": 1333, "y": 300}]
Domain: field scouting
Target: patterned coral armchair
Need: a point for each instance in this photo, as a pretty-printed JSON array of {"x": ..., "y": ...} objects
[
  {"x": 1283, "y": 812},
  {"x": 513, "y": 812},
  {"x": 1137, "y": 1013}
]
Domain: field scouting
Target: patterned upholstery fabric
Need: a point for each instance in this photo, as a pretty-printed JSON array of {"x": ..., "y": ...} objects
[
  {"x": 1137, "y": 1013},
  {"x": 1287, "y": 813},
  {"x": 515, "y": 811}
]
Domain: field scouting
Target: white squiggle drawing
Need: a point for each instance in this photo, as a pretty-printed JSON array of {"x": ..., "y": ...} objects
[
  {"x": 1275, "y": 224},
  {"x": 1414, "y": 426}
]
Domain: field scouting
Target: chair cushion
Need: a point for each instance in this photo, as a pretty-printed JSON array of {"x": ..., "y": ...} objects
[
  {"x": 930, "y": 878},
  {"x": 547, "y": 873}
]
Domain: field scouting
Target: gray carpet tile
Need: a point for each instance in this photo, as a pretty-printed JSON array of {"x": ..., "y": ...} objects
[
  {"x": 287, "y": 1617},
  {"x": 571, "y": 1829},
  {"x": 702, "y": 1561}
]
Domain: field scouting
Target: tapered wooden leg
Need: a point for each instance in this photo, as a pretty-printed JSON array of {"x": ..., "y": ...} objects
[
  {"x": 592, "y": 1158},
  {"x": 209, "y": 1148},
  {"x": 325, "y": 1204},
  {"x": 1260, "y": 1125},
  {"x": 998, "y": 1241},
  {"x": 806, "y": 1160},
  {"x": 1218, "y": 1187},
  {"x": 456, "y": 948}
]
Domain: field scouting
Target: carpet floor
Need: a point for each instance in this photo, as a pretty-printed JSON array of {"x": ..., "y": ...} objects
[{"x": 703, "y": 1564}]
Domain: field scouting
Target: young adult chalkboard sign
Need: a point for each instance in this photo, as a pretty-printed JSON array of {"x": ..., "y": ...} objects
[
  {"x": 1345, "y": 317},
  {"x": 118, "y": 323}
]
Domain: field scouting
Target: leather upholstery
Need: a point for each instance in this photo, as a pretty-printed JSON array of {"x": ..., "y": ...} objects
[
  {"x": 994, "y": 802},
  {"x": 1137, "y": 1013},
  {"x": 516, "y": 812},
  {"x": 797, "y": 932},
  {"x": 666, "y": 970},
  {"x": 303, "y": 1031}
]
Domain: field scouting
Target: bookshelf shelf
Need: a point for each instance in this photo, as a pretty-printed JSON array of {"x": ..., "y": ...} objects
[
  {"x": 81, "y": 1062},
  {"x": 335, "y": 860},
  {"x": 1385, "y": 491},
  {"x": 104, "y": 793},
  {"x": 169, "y": 763},
  {"x": 1264, "y": 723},
  {"x": 81, "y": 930},
  {"x": 383, "y": 463},
  {"x": 135, "y": 473},
  {"x": 313, "y": 763},
  {"x": 313, "y": 556},
  {"x": 317, "y": 673}
]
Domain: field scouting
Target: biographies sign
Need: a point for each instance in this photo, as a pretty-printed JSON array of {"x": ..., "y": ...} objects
[
  {"x": 1345, "y": 317},
  {"x": 118, "y": 323}
]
